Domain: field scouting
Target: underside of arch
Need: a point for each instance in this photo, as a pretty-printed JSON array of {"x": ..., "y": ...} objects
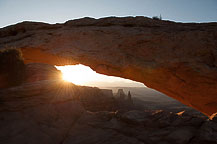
[{"x": 178, "y": 59}]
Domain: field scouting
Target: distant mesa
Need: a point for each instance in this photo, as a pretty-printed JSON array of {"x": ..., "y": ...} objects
[
  {"x": 129, "y": 97},
  {"x": 123, "y": 98},
  {"x": 120, "y": 94}
]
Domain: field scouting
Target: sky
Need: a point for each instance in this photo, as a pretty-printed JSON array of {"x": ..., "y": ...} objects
[
  {"x": 83, "y": 75},
  {"x": 59, "y": 11}
]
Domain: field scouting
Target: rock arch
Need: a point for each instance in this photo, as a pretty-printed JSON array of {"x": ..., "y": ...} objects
[{"x": 178, "y": 59}]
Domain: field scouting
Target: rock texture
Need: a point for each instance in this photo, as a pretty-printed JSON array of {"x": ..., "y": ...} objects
[
  {"x": 141, "y": 127},
  {"x": 31, "y": 115},
  {"x": 53, "y": 112},
  {"x": 12, "y": 68},
  {"x": 54, "y": 91},
  {"x": 178, "y": 59},
  {"x": 38, "y": 71}
]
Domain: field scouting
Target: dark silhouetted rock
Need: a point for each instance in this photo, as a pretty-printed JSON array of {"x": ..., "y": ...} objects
[
  {"x": 181, "y": 135},
  {"x": 38, "y": 71},
  {"x": 136, "y": 117},
  {"x": 12, "y": 68},
  {"x": 53, "y": 112},
  {"x": 120, "y": 94},
  {"x": 207, "y": 133}
]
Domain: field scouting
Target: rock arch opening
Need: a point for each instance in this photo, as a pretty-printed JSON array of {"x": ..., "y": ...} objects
[
  {"x": 178, "y": 59},
  {"x": 85, "y": 76}
]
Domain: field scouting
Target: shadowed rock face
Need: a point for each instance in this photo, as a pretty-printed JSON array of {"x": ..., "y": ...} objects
[
  {"x": 12, "y": 68},
  {"x": 178, "y": 59},
  {"x": 38, "y": 71},
  {"x": 54, "y": 112}
]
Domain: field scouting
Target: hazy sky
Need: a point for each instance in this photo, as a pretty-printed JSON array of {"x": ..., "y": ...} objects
[{"x": 58, "y": 11}]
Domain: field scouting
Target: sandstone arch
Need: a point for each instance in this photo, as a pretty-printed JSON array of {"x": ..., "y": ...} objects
[{"x": 178, "y": 59}]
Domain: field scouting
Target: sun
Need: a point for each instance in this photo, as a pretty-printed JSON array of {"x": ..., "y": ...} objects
[
  {"x": 77, "y": 74},
  {"x": 74, "y": 77},
  {"x": 85, "y": 76}
]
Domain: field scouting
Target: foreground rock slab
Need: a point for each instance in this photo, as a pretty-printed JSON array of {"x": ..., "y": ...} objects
[
  {"x": 28, "y": 114},
  {"x": 53, "y": 112},
  {"x": 151, "y": 127},
  {"x": 45, "y": 111},
  {"x": 178, "y": 59}
]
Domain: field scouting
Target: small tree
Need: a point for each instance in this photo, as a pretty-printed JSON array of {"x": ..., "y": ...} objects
[{"x": 157, "y": 17}]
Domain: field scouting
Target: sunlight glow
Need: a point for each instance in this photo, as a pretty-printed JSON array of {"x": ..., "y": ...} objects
[
  {"x": 83, "y": 75},
  {"x": 77, "y": 74}
]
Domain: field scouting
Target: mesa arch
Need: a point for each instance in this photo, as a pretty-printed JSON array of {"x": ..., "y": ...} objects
[{"x": 178, "y": 59}]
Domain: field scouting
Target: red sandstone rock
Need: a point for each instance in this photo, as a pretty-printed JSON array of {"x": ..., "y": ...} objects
[
  {"x": 38, "y": 71},
  {"x": 178, "y": 59}
]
